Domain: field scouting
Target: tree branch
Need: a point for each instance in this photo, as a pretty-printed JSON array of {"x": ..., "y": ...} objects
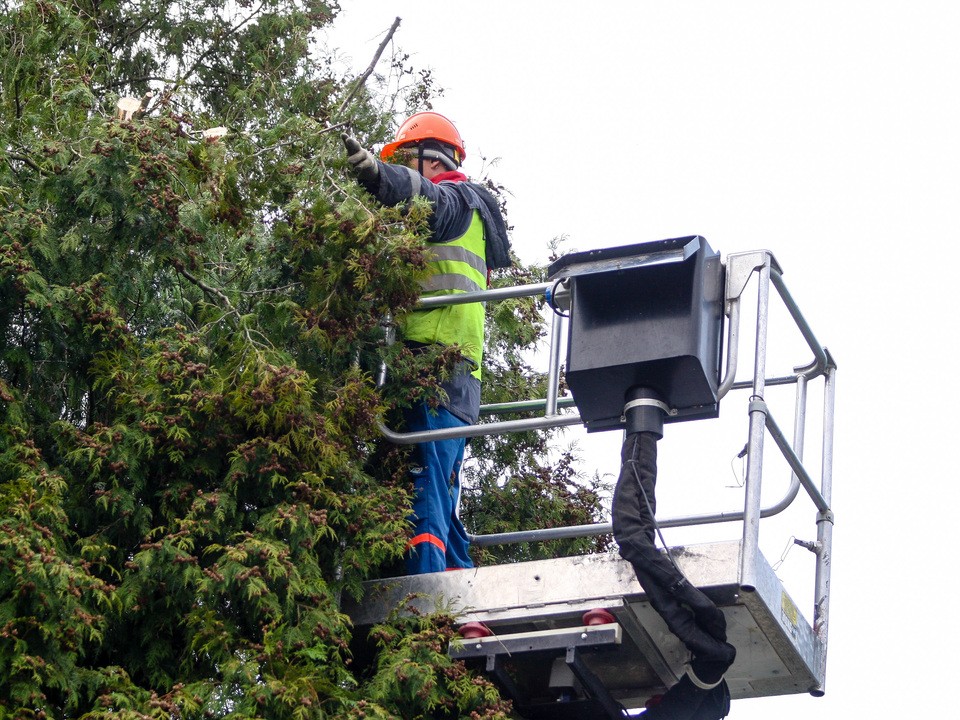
[
  {"x": 321, "y": 131},
  {"x": 126, "y": 37},
  {"x": 369, "y": 71},
  {"x": 213, "y": 46},
  {"x": 26, "y": 161},
  {"x": 178, "y": 265}
]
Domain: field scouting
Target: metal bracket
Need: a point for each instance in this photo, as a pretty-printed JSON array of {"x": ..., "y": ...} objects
[
  {"x": 592, "y": 683},
  {"x": 814, "y": 546},
  {"x": 566, "y": 640},
  {"x": 757, "y": 405},
  {"x": 538, "y": 640},
  {"x": 649, "y": 402},
  {"x": 740, "y": 266}
]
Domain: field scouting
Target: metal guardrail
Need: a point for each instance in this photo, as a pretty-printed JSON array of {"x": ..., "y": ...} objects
[
  {"x": 740, "y": 267},
  {"x": 550, "y": 405},
  {"x": 739, "y": 270}
]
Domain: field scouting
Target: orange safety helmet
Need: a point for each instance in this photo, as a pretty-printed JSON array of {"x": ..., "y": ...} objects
[{"x": 427, "y": 126}]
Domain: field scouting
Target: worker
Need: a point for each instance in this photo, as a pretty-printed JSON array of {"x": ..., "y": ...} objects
[{"x": 468, "y": 238}]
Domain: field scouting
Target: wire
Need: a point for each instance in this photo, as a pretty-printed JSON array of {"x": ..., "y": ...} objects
[
  {"x": 786, "y": 551},
  {"x": 738, "y": 479}
]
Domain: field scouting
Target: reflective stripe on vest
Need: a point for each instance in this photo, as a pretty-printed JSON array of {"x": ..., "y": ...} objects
[
  {"x": 457, "y": 253},
  {"x": 455, "y": 267},
  {"x": 449, "y": 281}
]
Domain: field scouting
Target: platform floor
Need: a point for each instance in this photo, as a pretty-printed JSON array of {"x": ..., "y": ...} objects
[{"x": 535, "y": 610}]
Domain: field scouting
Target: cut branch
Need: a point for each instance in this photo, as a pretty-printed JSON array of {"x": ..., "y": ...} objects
[{"x": 370, "y": 68}]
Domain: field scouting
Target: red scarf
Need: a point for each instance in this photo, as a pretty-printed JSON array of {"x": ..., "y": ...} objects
[{"x": 451, "y": 175}]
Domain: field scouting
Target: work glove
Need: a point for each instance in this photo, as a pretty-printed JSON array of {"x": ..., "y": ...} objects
[{"x": 362, "y": 162}]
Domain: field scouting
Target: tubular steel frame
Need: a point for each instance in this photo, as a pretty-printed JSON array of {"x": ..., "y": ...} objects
[{"x": 740, "y": 267}]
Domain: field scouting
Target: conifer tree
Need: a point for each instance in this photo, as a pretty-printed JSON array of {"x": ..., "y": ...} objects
[{"x": 191, "y": 297}]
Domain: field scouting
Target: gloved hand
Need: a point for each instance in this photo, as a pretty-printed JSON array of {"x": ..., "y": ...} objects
[{"x": 362, "y": 161}]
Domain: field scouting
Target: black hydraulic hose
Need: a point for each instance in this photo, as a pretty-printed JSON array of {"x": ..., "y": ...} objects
[
  {"x": 656, "y": 525},
  {"x": 687, "y": 611}
]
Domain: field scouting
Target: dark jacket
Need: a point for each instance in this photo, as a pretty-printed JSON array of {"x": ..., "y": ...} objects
[{"x": 453, "y": 200}]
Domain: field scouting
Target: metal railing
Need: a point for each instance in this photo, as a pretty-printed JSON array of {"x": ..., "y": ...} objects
[
  {"x": 739, "y": 270},
  {"x": 551, "y": 418}
]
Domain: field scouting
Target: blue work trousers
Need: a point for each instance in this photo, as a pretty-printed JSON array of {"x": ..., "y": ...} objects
[{"x": 439, "y": 539}]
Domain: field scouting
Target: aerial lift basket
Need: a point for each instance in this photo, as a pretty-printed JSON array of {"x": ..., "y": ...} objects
[{"x": 650, "y": 315}]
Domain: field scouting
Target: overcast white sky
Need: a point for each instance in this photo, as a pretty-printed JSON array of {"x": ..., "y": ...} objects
[{"x": 826, "y": 132}]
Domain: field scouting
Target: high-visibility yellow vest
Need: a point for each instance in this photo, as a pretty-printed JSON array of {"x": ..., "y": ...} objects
[{"x": 456, "y": 266}]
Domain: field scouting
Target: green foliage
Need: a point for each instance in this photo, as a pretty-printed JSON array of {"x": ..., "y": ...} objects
[
  {"x": 53, "y": 604},
  {"x": 415, "y": 678},
  {"x": 191, "y": 475}
]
